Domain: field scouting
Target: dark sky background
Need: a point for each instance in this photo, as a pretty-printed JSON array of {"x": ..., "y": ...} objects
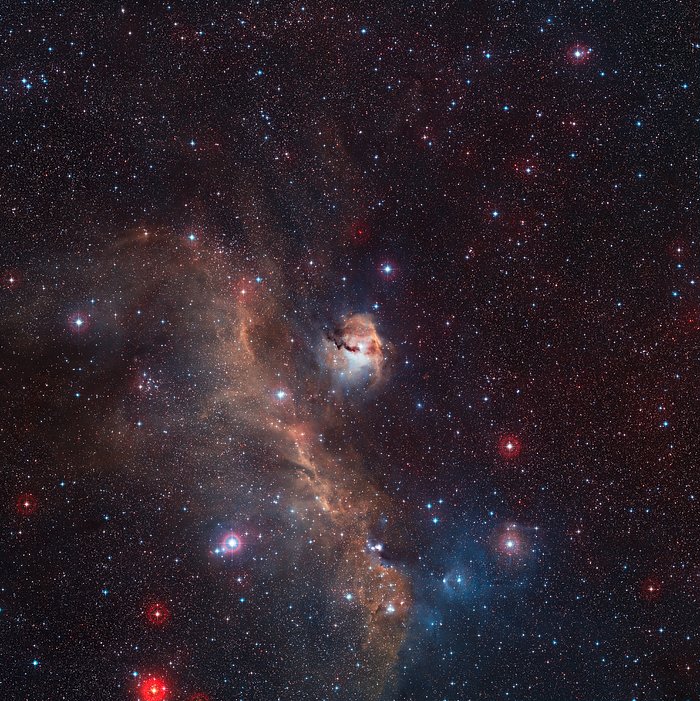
[{"x": 349, "y": 351}]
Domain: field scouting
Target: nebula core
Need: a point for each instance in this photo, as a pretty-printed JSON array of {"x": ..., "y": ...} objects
[{"x": 355, "y": 352}]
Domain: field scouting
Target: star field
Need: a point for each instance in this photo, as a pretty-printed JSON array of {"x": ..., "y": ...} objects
[{"x": 349, "y": 352}]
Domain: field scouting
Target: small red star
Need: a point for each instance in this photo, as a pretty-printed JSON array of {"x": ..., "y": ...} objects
[
  {"x": 26, "y": 504},
  {"x": 509, "y": 446},
  {"x": 157, "y": 613}
]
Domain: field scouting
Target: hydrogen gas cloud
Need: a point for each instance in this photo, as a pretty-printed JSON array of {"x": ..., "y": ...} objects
[
  {"x": 202, "y": 382},
  {"x": 348, "y": 352}
]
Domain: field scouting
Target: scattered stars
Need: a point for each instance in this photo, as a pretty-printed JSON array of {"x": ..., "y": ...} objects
[{"x": 349, "y": 352}]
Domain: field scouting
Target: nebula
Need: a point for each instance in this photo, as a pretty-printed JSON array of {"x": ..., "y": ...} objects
[
  {"x": 349, "y": 354},
  {"x": 355, "y": 352}
]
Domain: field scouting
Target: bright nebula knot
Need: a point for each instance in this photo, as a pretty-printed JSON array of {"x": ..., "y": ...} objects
[{"x": 355, "y": 351}]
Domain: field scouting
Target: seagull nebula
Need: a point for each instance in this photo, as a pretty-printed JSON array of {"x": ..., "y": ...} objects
[{"x": 349, "y": 351}]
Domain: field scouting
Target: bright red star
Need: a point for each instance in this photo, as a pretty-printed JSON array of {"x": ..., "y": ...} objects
[
  {"x": 26, "y": 504},
  {"x": 157, "y": 613},
  {"x": 153, "y": 689},
  {"x": 509, "y": 446}
]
